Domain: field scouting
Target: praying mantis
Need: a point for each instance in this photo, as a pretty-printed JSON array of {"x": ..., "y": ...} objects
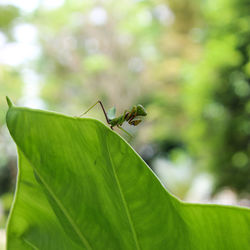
[{"x": 130, "y": 116}]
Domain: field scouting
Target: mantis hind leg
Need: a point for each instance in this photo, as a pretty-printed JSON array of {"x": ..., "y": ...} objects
[
  {"x": 103, "y": 109},
  {"x": 118, "y": 126}
]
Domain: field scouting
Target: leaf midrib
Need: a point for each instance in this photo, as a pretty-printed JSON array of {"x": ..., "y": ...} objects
[{"x": 125, "y": 204}]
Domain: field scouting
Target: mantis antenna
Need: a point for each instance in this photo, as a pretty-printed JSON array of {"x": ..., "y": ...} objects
[{"x": 103, "y": 109}]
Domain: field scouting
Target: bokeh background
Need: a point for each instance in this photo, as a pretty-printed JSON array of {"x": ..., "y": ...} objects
[{"x": 187, "y": 62}]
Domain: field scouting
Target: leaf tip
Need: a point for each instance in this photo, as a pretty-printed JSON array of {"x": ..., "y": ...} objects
[{"x": 10, "y": 104}]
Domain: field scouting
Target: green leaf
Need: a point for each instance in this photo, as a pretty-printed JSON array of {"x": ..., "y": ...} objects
[
  {"x": 111, "y": 113},
  {"x": 81, "y": 186}
]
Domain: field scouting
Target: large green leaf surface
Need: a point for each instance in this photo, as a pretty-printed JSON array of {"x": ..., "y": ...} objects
[{"x": 81, "y": 186}]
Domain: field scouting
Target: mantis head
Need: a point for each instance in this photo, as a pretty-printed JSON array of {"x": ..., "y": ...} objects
[{"x": 141, "y": 110}]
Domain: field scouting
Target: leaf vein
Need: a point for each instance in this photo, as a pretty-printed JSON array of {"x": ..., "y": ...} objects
[
  {"x": 78, "y": 232},
  {"x": 30, "y": 244}
]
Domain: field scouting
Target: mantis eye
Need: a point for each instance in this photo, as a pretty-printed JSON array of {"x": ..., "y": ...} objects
[{"x": 111, "y": 113}]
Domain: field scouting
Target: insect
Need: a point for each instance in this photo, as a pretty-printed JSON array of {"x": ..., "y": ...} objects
[{"x": 130, "y": 116}]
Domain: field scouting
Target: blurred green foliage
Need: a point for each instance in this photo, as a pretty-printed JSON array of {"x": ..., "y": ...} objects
[
  {"x": 217, "y": 96},
  {"x": 8, "y": 14}
]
